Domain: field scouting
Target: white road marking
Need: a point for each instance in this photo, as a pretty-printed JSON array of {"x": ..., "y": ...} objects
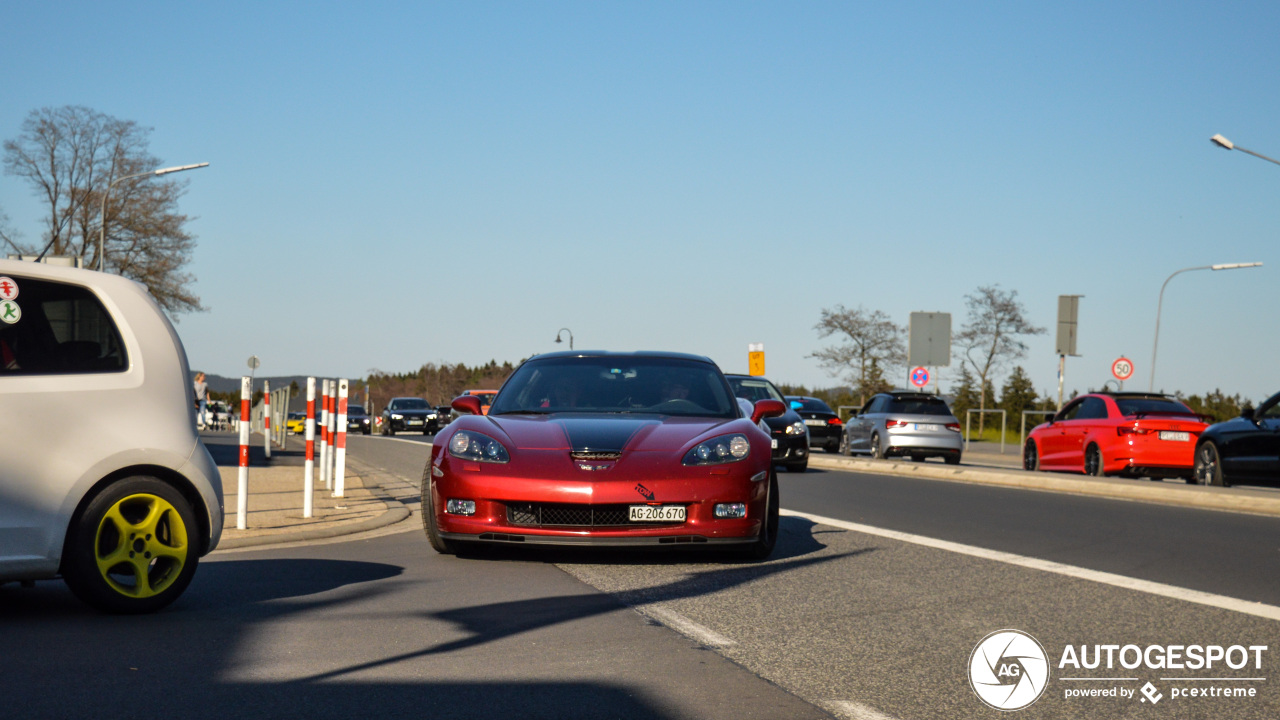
[
  {"x": 1270, "y": 612},
  {"x": 855, "y": 711},
  {"x": 685, "y": 626}
]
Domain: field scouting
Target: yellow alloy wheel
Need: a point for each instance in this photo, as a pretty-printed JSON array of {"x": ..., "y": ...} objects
[{"x": 141, "y": 545}]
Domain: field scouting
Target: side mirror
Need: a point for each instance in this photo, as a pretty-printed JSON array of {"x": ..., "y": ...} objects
[
  {"x": 767, "y": 408},
  {"x": 466, "y": 404},
  {"x": 1247, "y": 413}
]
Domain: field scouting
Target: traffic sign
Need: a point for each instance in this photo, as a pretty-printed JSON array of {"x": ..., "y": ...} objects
[
  {"x": 920, "y": 377},
  {"x": 755, "y": 358},
  {"x": 1122, "y": 368},
  {"x": 8, "y": 289},
  {"x": 254, "y": 362}
]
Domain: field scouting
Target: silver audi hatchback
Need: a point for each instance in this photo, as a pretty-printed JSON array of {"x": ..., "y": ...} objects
[
  {"x": 103, "y": 479},
  {"x": 913, "y": 425}
]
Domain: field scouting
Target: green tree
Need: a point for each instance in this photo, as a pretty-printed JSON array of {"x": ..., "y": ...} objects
[
  {"x": 965, "y": 393},
  {"x": 869, "y": 341},
  {"x": 1017, "y": 395},
  {"x": 991, "y": 337}
]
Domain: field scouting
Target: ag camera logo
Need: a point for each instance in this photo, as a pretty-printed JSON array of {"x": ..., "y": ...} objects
[{"x": 1009, "y": 670}]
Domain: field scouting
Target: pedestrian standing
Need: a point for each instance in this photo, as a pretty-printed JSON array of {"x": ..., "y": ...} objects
[{"x": 202, "y": 399}]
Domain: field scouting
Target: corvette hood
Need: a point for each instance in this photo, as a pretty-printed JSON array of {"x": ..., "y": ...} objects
[{"x": 602, "y": 433}]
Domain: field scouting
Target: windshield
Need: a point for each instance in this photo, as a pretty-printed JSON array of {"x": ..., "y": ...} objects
[
  {"x": 664, "y": 386},
  {"x": 355, "y": 410},
  {"x": 754, "y": 389},
  {"x": 408, "y": 404},
  {"x": 1133, "y": 406},
  {"x": 921, "y": 406}
]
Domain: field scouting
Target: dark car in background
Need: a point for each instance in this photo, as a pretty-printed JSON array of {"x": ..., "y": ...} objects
[
  {"x": 788, "y": 432},
  {"x": 411, "y": 414},
  {"x": 1243, "y": 449},
  {"x": 910, "y": 424},
  {"x": 825, "y": 426},
  {"x": 358, "y": 420}
]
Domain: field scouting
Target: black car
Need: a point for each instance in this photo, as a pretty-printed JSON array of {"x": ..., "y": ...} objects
[
  {"x": 1243, "y": 449},
  {"x": 408, "y": 413},
  {"x": 825, "y": 426},
  {"x": 358, "y": 420},
  {"x": 789, "y": 433}
]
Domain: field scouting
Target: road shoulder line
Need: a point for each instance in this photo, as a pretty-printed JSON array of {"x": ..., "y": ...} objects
[{"x": 1269, "y": 612}]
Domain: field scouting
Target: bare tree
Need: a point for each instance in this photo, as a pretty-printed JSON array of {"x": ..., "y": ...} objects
[
  {"x": 990, "y": 338},
  {"x": 870, "y": 342},
  {"x": 69, "y": 156}
]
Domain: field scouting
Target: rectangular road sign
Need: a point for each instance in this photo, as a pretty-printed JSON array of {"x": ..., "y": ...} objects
[
  {"x": 929, "y": 339},
  {"x": 755, "y": 358},
  {"x": 1068, "y": 309}
]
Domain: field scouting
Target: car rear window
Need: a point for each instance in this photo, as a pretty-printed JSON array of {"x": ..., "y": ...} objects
[
  {"x": 53, "y": 328},
  {"x": 1133, "y": 406},
  {"x": 812, "y": 404},
  {"x": 918, "y": 406}
]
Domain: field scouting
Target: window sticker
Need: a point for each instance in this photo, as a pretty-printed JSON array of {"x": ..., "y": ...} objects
[
  {"x": 10, "y": 313},
  {"x": 8, "y": 289}
]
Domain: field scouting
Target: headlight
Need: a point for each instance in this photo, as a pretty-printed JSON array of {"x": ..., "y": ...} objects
[
  {"x": 397, "y": 416},
  {"x": 724, "y": 449},
  {"x": 797, "y": 428},
  {"x": 474, "y": 446}
]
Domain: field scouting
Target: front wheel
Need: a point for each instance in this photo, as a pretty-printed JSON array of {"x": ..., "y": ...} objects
[
  {"x": 1093, "y": 461},
  {"x": 134, "y": 548},
  {"x": 762, "y": 548},
  {"x": 952, "y": 459},
  {"x": 1207, "y": 469},
  {"x": 429, "y": 524},
  {"x": 844, "y": 444}
]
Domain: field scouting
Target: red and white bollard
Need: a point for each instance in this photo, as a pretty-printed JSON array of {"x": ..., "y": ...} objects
[
  {"x": 309, "y": 474},
  {"x": 266, "y": 417},
  {"x": 242, "y": 488},
  {"x": 324, "y": 433},
  {"x": 340, "y": 445},
  {"x": 333, "y": 428}
]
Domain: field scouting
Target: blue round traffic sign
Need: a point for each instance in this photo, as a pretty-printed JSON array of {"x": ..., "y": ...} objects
[{"x": 920, "y": 377}]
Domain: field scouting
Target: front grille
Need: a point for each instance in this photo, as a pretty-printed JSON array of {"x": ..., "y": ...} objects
[
  {"x": 548, "y": 514},
  {"x": 595, "y": 455}
]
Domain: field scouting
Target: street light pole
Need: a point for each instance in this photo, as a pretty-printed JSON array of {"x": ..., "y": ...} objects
[
  {"x": 1228, "y": 145},
  {"x": 102, "y": 228},
  {"x": 1160, "y": 305},
  {"x": 565, "y": 330}
]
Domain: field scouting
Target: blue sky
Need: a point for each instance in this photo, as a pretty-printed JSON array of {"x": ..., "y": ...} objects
[{"x": 394, "y": 184}]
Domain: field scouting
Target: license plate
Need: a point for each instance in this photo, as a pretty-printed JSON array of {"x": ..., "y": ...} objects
[
  {"x": 815, "y": 423},
  {"x": 657, "y": 513},
  {"x": 928, "y": 427},
  {"x": 414, "y": 422},
  {"x": 1176, "y": 436}
]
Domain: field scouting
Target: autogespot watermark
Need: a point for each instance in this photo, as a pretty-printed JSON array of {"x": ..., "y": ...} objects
[{"x": 1010, "y": 670}]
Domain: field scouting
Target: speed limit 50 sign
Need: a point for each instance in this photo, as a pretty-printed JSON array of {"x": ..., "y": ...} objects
[{"x": 1122, "y": 368}]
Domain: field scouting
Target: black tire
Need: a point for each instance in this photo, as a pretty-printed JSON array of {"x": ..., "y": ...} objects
[
  {"x": 952, "y": 459},
  {"x": 844, "y": 444},
  {"x": 1093, "y": 461},
  {"x": 368, "y": 431},
  {"x": 1030, "y": 456},
  {"x": 134, "y": 548},
  {"x": 832, "y": 448},
  {"x": 762, "y": 548},
  {"x": 1207, "y": 469},
  {"x": 877, "y": 451},
  {"x": 438, "y": 543}
]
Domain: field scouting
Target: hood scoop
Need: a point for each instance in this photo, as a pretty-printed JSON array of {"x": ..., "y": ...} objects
[{"x": 595, "y": 455}]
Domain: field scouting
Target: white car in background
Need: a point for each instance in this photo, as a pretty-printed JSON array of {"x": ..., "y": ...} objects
[{"x": 103, "y": 480}]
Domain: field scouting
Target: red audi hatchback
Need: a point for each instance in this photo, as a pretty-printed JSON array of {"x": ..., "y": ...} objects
[{"x": 1133, "y": 434}]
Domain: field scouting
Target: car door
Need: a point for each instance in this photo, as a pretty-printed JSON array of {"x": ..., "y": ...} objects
[
  {"x": 1053, "y": 441},
  {"x": 1092, "y": 413},
  {"x": 861, "y": 439},
  {"x": 1256, "y": 454}
]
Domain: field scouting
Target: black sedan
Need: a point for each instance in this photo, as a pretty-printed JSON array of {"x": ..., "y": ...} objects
[
  {"x": 788, "y": 432},
  {"x": 825, "y": 426},
  {"x": 408, "y": 413},
  {"x": 358, "y": 421},
  {"x": 1244, "y": 449}
]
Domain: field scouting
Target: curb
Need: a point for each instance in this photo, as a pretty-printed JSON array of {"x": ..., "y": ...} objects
[
  {"x": 390, "y": 517},
  {"x": 1195, "y": 496}
]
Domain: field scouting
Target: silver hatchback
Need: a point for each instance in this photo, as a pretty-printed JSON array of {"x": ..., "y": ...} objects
[
  {"x": 913, "y": 425},
  {"x": 103, "y": 480}
]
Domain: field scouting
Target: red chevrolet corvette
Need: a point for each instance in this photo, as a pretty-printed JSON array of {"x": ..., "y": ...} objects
[
  {"x": 1140, "y": 434},
  {"x": 606, "y": 449}
]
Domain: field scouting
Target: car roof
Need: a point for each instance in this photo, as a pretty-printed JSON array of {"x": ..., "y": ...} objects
[
  {"x": 912, "y": 396},
  {"x": 633, "y": 354}
]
